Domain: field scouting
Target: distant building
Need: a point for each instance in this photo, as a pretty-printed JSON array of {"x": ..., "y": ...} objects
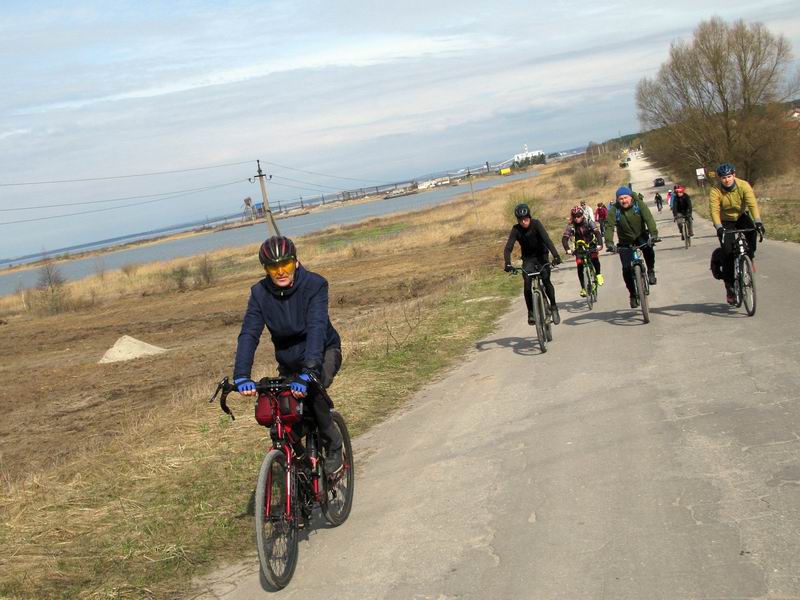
[{"x": 529, "y": 156}]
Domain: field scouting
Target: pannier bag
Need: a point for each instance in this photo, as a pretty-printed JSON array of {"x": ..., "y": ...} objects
[
  {"x": 291, "y": 408},
  {"x": 717, "y": 256}
]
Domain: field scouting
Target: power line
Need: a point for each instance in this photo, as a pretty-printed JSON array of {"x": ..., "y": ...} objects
[
  {"x": 199, "y": 189},
  {"x": 97, "y": 210},
  {"x": 274, "y": 164},
  {"x": 320, "y": 185},
  {"x": 86, "y": 179}
]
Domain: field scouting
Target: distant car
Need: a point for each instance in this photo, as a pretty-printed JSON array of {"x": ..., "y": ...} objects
[
  {"x": 658, "y": 182},
  {"x": 623, "y": 164}
]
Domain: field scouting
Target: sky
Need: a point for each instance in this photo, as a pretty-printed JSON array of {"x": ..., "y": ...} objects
[{"x": 364, "y": 91}]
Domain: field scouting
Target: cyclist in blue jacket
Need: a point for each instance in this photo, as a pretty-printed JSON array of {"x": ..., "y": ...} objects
[{"x": 293, "y": 305}]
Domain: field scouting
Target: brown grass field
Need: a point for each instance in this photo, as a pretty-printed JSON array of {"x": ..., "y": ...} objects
[{"x": 121, "y": 481}]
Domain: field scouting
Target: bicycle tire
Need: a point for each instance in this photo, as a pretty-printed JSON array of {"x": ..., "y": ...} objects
[
  {"x": 539, "y": 317},
  {"x": 638, "y": 278},
  {"x": 748, "y": 282},
  {"x": 687, "y": 239},
  {"x": 548, "y": 322},
  {"x": 338, "y": 498},
  {"x": 276, "y": 532},
  {"x": 588, "y": 285}
]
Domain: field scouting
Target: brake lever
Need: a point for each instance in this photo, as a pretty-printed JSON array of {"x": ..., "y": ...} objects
[{"x": 224, "y": 387}]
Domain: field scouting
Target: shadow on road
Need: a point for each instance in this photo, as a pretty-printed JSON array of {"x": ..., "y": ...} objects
[
  {"x": 623, "y": 317},
  {"x": 521, "y": 346},
  {"x": 707, "y": 308}
]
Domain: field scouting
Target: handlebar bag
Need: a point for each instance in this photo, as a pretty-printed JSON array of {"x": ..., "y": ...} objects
[{"x": 291, "y": 409}]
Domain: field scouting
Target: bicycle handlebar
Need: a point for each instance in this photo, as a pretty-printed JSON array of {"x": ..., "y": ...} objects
[
  {"x": 267, "y": 385},
  {"x": 748, "y": 230},
  {"x": 518, "y": 270}
]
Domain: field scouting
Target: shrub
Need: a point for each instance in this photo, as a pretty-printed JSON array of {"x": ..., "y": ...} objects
[
  {"x": 179, "y": 275},
  {"x": 205, "y": 272}
]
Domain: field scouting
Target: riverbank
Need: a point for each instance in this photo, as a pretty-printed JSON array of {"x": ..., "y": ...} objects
[{"x": 120, "y": 480}]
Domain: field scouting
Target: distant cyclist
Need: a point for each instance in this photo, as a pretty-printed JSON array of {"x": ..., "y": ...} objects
[
  {"x": 733, "y": 205},
  {"x": 659, "y": 202},
  {"x": 602, "y": 214},
  {"x": 682, "y": 207},
  {"x": 635, "y": 226},
  {"x": 587, "y": 210},
  {"x": 535, "y": 245},
  {"x": 587, "y": 231},
  {"x": 292, "y": 304}
]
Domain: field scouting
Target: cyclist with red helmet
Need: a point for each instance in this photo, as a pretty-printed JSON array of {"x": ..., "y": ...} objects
[
  {"x": 733, "y": 205},
  {"x": 588, "y": 231},
  {"x": 292, "y": 303},
  {"x": 682, "y": 207},
  {"x": 535, "y": 245}
]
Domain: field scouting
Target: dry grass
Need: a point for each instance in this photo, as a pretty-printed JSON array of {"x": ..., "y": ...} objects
[{"x": 138, "y": 505}]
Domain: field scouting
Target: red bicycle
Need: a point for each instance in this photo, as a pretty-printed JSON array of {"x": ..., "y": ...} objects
[{"x": 291, "y": 482}]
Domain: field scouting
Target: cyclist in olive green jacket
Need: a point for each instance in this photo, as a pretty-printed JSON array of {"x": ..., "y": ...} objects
[
  {"x": 635, "y": 226},
  {"x": 733, "y": 205}
]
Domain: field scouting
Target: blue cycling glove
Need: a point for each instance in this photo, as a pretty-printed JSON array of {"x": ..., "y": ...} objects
[
  {"x": 244, "y": 384},
  {"x": 300, "y": 385}
]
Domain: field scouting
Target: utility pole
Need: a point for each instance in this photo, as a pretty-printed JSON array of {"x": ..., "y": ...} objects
[{"x": 271, "y": 226}]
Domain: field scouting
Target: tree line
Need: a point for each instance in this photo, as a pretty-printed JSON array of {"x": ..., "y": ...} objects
[{"x": 723, "y": 96}]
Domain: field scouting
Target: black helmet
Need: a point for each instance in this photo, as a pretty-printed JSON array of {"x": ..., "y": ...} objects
[
  {"x": 276, "y": 249},
  {"x": 725, "y": 169},
  {"x": 521, "y": 211}
]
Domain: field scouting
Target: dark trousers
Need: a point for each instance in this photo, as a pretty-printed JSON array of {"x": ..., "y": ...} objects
[
  {"x": 533, "y": 264},
  {"x": 728, "y": 245},
  {"x": 595, "y": 261},
  {"x": 331, "y": 363},
  {"x": 626, "y": 257}
]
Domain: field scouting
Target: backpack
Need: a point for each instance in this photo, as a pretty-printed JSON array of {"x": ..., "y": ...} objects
[
  {"x": 636, "y": 210},
  {"x": 717, "y": 258}
]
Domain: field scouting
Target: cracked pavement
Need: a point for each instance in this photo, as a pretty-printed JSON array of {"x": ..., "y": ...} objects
[{"x": 630, "y": 461}]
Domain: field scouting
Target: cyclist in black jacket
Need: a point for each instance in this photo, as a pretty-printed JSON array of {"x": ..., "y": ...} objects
[
  {"x": 535, "y": 245},
  {"x": 682, "y": 207},
  {"x": 292, "y": 303}
]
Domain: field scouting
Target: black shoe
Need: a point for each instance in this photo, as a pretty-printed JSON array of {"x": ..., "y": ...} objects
[
  {"x": 333, "y": 461},
  {"x": 556, "y": 316},
  {"x": 651, "y": 278},
  {"x": 683, "y": 238},
  {"x": 531, "y": 318},
  {"x": 634, "y": 302}
]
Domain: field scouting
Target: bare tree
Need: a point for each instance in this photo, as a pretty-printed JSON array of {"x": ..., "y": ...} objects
[
  {"x": 51, "y": 285},
  {"x": 720, "y": 98}
]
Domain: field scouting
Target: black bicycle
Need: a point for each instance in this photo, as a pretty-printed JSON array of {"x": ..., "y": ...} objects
[
  {"x": 744, "y": 284},
  {"x": 542, "y": 311},
  {"x": 583, "y": 256},
  {"x": 685, "y": 227},
  {"x": 641, "y": 284},
  {"x": 291, "y": 481}
]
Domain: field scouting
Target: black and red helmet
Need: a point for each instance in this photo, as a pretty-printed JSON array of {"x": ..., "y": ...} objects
[{"x": 276, "y": 249}]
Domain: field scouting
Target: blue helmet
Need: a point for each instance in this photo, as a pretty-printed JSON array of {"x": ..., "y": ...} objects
[{"x": 725, "y": 169}]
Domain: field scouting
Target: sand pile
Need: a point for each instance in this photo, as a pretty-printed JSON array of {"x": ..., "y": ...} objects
[{"x": 127, "y": 348}]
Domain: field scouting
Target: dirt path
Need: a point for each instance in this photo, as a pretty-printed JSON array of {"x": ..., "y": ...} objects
[{"x": 629, "y": 461}]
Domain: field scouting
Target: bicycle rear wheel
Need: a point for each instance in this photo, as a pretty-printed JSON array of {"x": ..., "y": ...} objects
[
  {"x": 539, "y": 317},
  {"x": 588, "y": 284},
  {"x": 276, "y": 523},
  {"x": 338, "y": 499},
  {"x": 638, "y": 278},
  {"x": 747, "y": 285}
]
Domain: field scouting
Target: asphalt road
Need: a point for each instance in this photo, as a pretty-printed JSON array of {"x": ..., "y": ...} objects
[{"x": 630, "y": 461}]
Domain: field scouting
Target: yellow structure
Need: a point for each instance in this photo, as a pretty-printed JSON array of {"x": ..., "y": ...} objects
[{"x": 505, "y": 171}]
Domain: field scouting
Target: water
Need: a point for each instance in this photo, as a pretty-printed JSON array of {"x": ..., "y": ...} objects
[{"x": 292, "y": 226}]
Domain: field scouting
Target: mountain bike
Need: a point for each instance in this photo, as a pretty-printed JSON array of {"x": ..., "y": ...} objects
[
  {"x": 583, "y": 256},
  {"x": 641, "y": 284},
  {"x": 542, "y": 311},
  {"x": 292, "y": 481},
  {"x": 685, "y": 227},
  {"x": 744, "y": 284}
]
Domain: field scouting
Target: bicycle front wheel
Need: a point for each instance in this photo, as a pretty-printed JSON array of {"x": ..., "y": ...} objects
[
  {"x": 338, "y": 499},
  {"x": 539, "y": 317},
  {"x": 587, "y": 281},
  {"x": 638, "y": 278},
  {"x": 747, "y": 285},
  {"x": 276, "y": 523}
]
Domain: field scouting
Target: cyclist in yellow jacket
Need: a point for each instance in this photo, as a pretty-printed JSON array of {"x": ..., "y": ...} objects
[{"x": 733, "y": 205}]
